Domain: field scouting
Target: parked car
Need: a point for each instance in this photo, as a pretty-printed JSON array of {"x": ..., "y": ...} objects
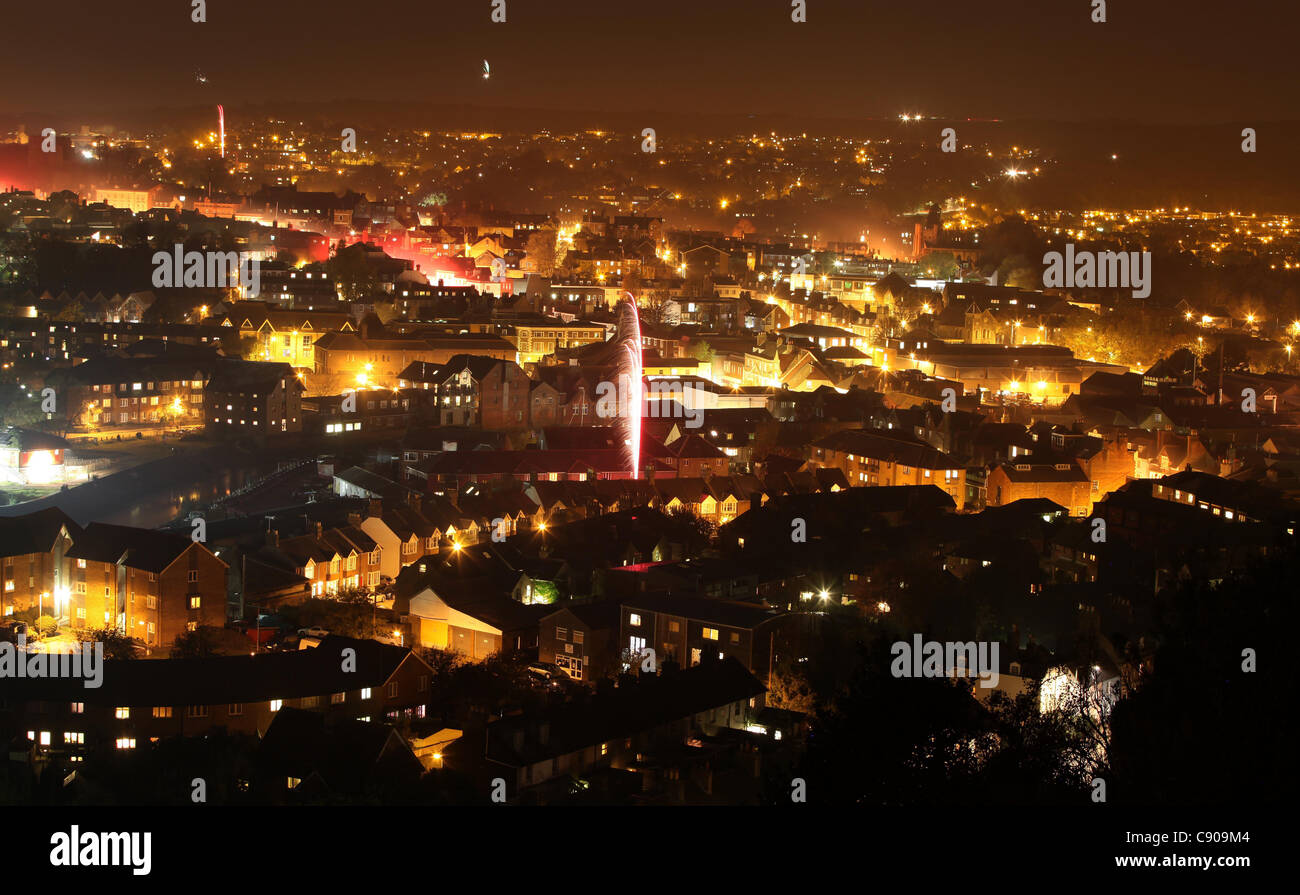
[
  {"x": 545, "y": 673},
  {"x": 313, "y": 631}
]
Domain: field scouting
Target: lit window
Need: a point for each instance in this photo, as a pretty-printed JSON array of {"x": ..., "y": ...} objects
[{"x": 123, "y": 712}]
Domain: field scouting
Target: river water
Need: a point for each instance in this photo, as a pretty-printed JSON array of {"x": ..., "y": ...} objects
[{"x": 151, "y": 495}]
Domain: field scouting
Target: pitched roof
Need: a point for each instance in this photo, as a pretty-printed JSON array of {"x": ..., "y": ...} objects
[
  {"x": 723, "y": 612},
  {"x": 596, "y": 616},
  {"x": 649, "y": 702},
  {"x": 372, "y": 482},
  {"x": 34, "y": 532},
  {"x": 17, "y": 439},
  {"x": 1044, "y": 472},
  {"x": 137, "y": 548},
  {"x": 234, "y": 375},
  {"x": 300, "y": 743},
  {"x": 219, "y": 680},
  {"x": 909, "y": 452}
]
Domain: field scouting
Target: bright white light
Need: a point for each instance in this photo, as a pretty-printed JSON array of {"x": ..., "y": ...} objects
[{"x": 40, "y": 468}]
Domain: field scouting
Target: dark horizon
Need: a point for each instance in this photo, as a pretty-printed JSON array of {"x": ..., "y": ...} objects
[{"x": 1010, "y": 60}]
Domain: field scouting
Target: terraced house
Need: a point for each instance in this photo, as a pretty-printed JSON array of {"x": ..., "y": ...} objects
[
  {"x": 403, "y": 534},
  {"x": 686, "y": 628},
  {"x": 719, "y": 499},
  {"x": 333, "y": 559},
  {"x": 409, "y": 532},
  {"x": 141, "y": 702}
]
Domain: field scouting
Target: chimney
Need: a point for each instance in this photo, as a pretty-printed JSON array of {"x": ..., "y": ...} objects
[
  {"x": 376, "y": 506},
  {"x": 354, "y": 519},
  {"x": 413, "y": 500},
  {"x": 320, "y": 529}
]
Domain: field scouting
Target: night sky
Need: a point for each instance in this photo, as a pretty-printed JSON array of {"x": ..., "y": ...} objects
[{"x": 1158, "y": 60}]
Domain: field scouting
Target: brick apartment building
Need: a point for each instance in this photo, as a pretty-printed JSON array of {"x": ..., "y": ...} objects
[
  {"x": 109, "y": 392},
  {"x": 252, "y": 398},
  {"x": 33, "y": 568},
  {"x": 1062, "y": 483},
  {"x": 151, "y": 585}
]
